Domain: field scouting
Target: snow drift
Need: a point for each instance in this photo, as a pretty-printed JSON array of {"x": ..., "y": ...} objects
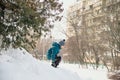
[{"x": 16, "y": 64}]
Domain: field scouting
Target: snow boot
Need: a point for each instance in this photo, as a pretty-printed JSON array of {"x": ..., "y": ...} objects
[{"x": 54, "y": 64}]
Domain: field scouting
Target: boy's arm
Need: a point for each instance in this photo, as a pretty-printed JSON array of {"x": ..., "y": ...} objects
[{"x": 49, "y": 52}]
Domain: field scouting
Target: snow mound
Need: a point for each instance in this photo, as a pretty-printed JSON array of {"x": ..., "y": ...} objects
[{"x": 16, "y": 64}]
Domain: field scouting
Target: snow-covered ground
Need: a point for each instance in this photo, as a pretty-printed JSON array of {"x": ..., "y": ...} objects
[
  {"x": 20, "y": 65},
  {"x": 87, "y": 74}
]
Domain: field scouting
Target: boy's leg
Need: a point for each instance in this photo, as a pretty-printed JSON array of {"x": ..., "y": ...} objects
[
  {"x": 58, "y": 59},
  {"x": 54, "y": 62}
]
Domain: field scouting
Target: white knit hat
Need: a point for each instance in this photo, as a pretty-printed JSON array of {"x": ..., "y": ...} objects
[{"x": 62, "y": 43}]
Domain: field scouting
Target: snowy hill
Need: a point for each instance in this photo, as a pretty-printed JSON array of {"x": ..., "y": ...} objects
[{"x": 16, "y": 64}]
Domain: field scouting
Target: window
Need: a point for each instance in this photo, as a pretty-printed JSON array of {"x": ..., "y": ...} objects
[{"x": 91, "y": 6}]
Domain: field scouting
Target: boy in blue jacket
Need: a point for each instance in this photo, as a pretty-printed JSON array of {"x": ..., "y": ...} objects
[{"x": 53, "y": 52}]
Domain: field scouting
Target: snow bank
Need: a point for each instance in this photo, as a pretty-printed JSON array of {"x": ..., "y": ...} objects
[{"x": 16, "y": 64}]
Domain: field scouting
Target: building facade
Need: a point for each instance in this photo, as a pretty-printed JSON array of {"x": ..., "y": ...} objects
[
  {"x": 91, "y": 13},
  {"x": 96, "y": 24}
]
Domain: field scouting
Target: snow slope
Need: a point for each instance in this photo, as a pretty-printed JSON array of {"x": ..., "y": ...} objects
[{"x": 16, "y": 64}]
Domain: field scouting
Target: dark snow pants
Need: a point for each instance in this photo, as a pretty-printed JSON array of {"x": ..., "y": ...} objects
[{"x": 57, "y": 61}]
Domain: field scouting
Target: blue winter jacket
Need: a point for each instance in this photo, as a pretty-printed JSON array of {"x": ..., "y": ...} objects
[{"x": 53, "y": 51}]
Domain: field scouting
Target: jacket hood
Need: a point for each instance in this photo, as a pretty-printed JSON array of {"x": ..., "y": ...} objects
[{"x": 56, "y": 44}]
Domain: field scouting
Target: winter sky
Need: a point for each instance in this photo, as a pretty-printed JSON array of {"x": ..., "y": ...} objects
[{"x": 57, "y": 32}]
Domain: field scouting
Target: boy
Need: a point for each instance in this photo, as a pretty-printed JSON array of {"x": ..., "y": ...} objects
[{"x": 53, "y": 52}]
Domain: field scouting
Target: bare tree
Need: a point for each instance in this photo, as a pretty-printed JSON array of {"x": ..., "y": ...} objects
[{"x": 113, "y": 23}]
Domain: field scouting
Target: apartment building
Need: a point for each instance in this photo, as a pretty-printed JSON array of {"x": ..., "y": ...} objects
[
  {"x": 96, "y": 26},
  {"x": 91, "y": 13}
]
